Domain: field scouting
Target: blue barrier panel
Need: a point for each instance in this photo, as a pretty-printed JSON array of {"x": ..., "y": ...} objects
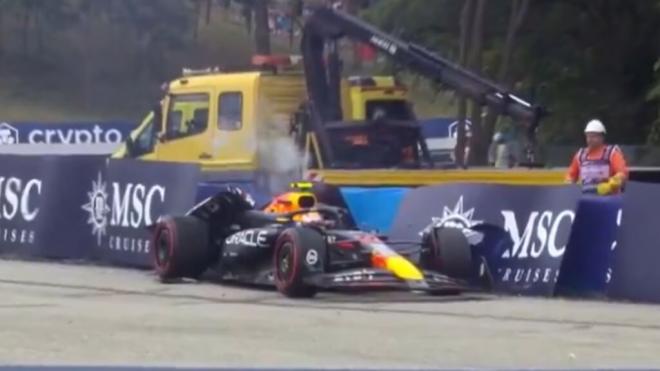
[
  {"x": 635, "y": 273},
  {"x": 65, "y": 132},
  {"x": 63, "y": 230},
  {"x": 130, "y": 196},
  {"x": 586, "y": 264},
  {"x": 525, "y": 229},
  {"x": 21, "y": 196},
  {"x": 373, "y": 209}
]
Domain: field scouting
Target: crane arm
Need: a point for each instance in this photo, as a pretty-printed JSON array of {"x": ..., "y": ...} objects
[{"x": 326, "y": 25}]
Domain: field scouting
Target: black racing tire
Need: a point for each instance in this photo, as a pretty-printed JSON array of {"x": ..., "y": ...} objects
[
  {"x": 288, "y": 261},
  {"x": 448, "y": 252},
  {"x": 180, "y": 248}
]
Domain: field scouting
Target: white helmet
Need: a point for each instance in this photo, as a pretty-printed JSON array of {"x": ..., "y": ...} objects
[{"x": 595, "y": 126}]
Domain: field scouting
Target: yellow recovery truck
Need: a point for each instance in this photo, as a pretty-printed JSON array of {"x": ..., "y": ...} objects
[{"x": 276, "y": 122}]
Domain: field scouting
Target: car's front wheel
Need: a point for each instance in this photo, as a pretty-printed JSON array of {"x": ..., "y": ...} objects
[
  {"x": 447, "y": 251},
  {"x": 180, "y": 247},
  {"x": 296, "y": 247}
]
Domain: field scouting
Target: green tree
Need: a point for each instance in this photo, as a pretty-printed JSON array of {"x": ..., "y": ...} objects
[
  {"x": 261, "y": 29},
  {"x": 465, "y": 32},
  {"x": 591, "y": 58},
  {"x": 654, "y": 95},
  {"x": 579, "y": 58},
  {"x": 517, "y": 13}
]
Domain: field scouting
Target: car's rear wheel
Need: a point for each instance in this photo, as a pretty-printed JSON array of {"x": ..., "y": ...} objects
[
  {"x": 290, "y": 253},
  {"x": 180, "y": 248},
  {"x": 448, "y": 251}
]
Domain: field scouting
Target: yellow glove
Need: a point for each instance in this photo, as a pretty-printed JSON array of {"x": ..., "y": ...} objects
[
  {"x": 609, "y": 187},
  {"x": 616, "y": 181},
  {"x": 604, "y": 188}
]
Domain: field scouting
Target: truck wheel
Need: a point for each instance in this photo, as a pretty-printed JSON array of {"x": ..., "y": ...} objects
[
  {"x": 289, "y": 261},
  {"x": 180, "y": 247},
  {"x": 448, "y": 252}
]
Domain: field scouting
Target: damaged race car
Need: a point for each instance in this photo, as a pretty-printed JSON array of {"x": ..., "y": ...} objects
[{"x": 300, "y": 245}]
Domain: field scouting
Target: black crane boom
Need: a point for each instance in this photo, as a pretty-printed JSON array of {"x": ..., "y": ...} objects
[
  {"x": 328, "y": 25},
  {"x": 325, "y": 26}
]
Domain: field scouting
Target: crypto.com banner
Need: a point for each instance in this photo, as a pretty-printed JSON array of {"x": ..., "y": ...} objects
[
  {"x": 525, "y": 228},
  {"x": 110, "y": 132}
]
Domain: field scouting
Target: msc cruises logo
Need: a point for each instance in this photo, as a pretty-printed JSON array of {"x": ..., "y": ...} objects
[
  {"x": 121, "y": 210},
  {"x": 97, "y": 207},
  {"x": 459, "y": 218}
]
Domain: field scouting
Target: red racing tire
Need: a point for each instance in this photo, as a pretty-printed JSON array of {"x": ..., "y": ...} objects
[
  {"x": 180, "y": 248},
  {"x": 289, "y": 257}
]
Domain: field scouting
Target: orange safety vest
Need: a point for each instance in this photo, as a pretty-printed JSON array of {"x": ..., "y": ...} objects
[{"x": 594, "y": 171}]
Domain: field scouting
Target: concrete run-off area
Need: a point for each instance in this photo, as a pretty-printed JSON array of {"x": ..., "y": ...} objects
[{"x": 64, "y": 314}]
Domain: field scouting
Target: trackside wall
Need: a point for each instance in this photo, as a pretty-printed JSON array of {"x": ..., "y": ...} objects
[{"x": 537, "y": 240}]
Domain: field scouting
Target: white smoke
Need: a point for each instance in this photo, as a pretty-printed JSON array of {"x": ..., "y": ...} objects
[
  {"x": 279, "y": 157},
  {"x": 280, "y": 161}
]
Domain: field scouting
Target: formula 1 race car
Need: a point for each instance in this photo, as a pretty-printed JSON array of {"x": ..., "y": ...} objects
[{"x": 300, "y": 245}]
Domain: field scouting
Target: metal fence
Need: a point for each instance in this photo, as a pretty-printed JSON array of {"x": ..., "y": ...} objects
[{"x": 637, "y": 156}]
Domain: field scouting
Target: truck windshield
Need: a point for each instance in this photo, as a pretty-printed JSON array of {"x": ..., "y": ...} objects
[
  {"x": 146, "y": 139},
  {"x": 384, "y": 147},
  {"x": 188, "y": 115},
  {"x": 393, "y": 109}
]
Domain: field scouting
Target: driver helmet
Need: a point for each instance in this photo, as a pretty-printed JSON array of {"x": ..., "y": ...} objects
[{"x": 242, "y": 195}]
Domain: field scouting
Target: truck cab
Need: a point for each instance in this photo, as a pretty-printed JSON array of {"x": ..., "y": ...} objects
[
  {"x": 232, "y": 120},
  {"x": 368, "y": 97}
]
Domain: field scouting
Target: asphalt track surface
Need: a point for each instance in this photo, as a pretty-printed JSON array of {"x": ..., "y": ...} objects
[{"x": 63, "y": 314}]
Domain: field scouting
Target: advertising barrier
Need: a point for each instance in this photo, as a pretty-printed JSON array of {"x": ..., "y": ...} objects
[
  {"x": 524, "y": 231},
  {"x": 538, "y": 240},
  {"x": 88, "y": 207},
  {"x": 586, "y": 267},
  {"x": 107, "y": 132},
  {"x": 130, "y": 196},
  {"x": 63, "y": 224},
  {"x": 38, "y": 205},
  {"x": 635, "y": 274},
  {"x": 21, "y": 197}
]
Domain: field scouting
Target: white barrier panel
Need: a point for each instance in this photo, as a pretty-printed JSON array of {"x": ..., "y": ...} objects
[{"x": 59, "y": 149}]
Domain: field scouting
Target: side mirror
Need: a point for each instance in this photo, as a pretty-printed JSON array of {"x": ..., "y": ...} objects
[
  {"x": 158, "y": 118},
  {"x": 130, "y": 146},
  {"x": 158, "y": 126}
]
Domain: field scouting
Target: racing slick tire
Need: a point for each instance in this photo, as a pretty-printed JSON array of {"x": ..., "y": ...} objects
[
  {"x": 448, "y": 251},
  {"x": 180, "y": 248},
  {"x": 291, "y": 249}
]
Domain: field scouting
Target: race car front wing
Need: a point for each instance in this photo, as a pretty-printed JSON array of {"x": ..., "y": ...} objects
[{"x": 383, "y": 279}]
